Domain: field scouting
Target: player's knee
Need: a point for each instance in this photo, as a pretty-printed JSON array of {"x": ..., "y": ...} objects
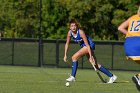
[{"x": 74, "y": 58}]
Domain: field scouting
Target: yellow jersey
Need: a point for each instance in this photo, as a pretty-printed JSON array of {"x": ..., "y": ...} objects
[{"x": 134, "y": 26}]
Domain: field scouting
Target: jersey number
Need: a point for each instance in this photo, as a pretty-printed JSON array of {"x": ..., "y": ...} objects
[{"x": 135, "y": 27}]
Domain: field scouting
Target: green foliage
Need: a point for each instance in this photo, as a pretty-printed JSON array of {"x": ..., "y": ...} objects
[
  {"x": 26, "y": 15},
  {"x": 19, "y": 16},
  {"x": 99, "y": 18}
]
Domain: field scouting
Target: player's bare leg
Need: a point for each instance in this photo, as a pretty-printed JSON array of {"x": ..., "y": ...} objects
[{"x": 75, "y": 58}]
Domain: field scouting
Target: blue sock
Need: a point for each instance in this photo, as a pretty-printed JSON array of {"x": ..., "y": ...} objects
[
  {"x": 105, "y": 71},
  {"x": 74, "y": 68}
]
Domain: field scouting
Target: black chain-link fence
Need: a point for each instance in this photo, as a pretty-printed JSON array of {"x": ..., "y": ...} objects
[{"x": 25, "y": 52}]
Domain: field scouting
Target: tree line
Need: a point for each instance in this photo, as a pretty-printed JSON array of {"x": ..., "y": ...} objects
[{"x": 98, "y": 18}]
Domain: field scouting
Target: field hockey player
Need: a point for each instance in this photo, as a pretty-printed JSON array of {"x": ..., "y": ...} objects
[{"x": 87, "y": 48}]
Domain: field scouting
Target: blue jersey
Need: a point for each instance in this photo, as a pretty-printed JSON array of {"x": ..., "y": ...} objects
[{"x": 79, "y": 39}]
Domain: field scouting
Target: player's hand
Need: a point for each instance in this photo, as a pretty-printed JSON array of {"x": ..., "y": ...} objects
[
  {"x": 65, "y": 59},
  {"x": 91, "y": 59}
]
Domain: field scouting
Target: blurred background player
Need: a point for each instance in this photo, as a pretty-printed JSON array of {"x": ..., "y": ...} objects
[
  {"x": 131, "y": 28},
  {"x": 87, "y": 48}
]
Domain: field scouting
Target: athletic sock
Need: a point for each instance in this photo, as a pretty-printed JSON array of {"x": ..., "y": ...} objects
[
  {"x": 105, "y": 71},
  {"x": 74, "y": 68}
]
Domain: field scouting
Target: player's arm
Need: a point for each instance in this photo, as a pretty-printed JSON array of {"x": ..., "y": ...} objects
[
  {"x": 66, "y": 46},
  {"x": 82, "y": 34},
  {"x": 123, "y": 27}
]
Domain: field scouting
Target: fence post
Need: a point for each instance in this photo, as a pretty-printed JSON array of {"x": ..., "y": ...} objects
[
  {"x": 13, "y": 47},
  {"x": 40, "y": 44},
  {"x": 112, "y": 56},
  {"x": 57, "y": 53}
]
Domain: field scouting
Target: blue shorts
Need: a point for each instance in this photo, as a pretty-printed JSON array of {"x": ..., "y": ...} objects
[
  {"x": 132, "y": 48},
  {"x": 91, "y": 44}
]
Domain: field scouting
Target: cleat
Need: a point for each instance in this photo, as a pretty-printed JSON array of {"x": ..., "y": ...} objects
[
  {"x": 70, "y": 79},
  {"x": 136, "y": 80},
  {"x": 112, "y": 79}
]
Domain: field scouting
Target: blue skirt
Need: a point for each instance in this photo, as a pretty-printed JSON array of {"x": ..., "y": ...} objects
[
  {"x": 132, "y": 47},
  {"x": 91, "y": 44}
]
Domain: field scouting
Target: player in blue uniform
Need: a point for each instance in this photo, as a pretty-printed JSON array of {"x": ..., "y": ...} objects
[{"x": 87, "y": 48}]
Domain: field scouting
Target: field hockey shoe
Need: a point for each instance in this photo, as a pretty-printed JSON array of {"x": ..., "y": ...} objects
[
  {"x": 112, "y": 79},
  {"x": 136, "y": 80},
  {"x": 70, "y": 79}
]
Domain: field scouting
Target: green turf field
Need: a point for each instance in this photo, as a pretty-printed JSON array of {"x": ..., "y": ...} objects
[{"x": 18, "y": 79}]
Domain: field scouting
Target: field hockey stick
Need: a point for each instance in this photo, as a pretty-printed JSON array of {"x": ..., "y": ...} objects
[
  {"x": 93, "y": 66},
  {"x": 99, "y": 75}
]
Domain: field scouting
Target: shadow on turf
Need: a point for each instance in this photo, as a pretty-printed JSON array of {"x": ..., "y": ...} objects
[
  {"x": 137, "y": 86},
  {"x": 106, "y": 83},
  {"x": 122, "y": 82}
]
